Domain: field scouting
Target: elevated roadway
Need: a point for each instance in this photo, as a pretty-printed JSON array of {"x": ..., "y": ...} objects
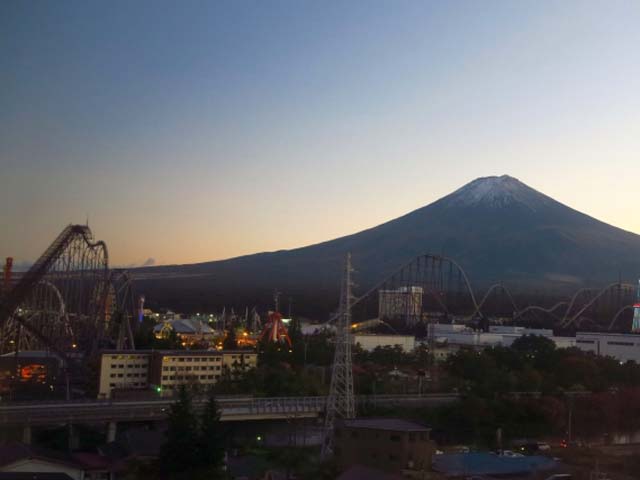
[{"x": 232, "y": 409}]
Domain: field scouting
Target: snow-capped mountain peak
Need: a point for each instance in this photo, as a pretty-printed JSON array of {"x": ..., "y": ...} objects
[{"x": 497, "y": 192}]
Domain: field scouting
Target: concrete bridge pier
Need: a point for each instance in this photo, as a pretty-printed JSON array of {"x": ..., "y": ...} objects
[
  {"x": 112, "y": 429},
  {"x": 26, "y": 434},
  {"x": 74, "y": 439}
]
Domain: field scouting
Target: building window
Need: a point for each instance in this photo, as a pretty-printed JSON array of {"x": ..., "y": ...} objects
[
  {"x": 412, "y": 437},
  {"x": 622, "y": 344},
  {"x": 394, "y": 438}
]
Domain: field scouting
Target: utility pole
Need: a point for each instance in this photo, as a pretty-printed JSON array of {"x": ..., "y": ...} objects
[{"x": 341, "y": 400}]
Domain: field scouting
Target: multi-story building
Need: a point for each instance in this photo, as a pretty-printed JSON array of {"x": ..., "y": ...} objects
[
  {"x": 165, "y": 370},
  {"x": 404, "y": 303},
  {"x": 389, "y": 444},
  {"x": 123, "y": 370},
  {"x": 170, "y": 369}
]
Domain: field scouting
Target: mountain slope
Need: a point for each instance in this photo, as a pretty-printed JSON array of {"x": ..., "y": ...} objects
[{"x": 497, "y": 228}]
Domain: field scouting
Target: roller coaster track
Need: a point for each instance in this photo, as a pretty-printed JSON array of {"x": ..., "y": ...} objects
[
  {"x": 564, "y": 313},
  {"x": 39, "y": 269},
  {"x": 618, "y": 315},
  {"x": 568, "y": 320},
  {"x": 409, "y": 265},
  {"x": 94, "y": 300},
  {"x": 486, "y": 296},
  {"x": 536, "y": 308}
]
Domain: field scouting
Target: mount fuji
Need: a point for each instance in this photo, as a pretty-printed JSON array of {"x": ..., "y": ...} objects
[{"x": 496, "y": 228}]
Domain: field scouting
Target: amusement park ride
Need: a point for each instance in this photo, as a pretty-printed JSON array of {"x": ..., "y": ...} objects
[
  {"x": 69, "y": 302},
  {"x": 274, "y": 330},
  {"x": 72, "y": 304}
]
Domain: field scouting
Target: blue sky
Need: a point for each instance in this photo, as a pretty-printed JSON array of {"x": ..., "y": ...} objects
[{"x": 191, "y": 131}]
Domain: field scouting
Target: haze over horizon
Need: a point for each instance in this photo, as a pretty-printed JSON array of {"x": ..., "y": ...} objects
[{"x": 201, "y": 131}]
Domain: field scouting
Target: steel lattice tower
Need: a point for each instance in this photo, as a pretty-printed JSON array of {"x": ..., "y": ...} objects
[{"x": 341, "y": 402}]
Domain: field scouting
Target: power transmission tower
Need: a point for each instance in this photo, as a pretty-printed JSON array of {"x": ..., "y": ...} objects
[{"x": 341, "y": 402}]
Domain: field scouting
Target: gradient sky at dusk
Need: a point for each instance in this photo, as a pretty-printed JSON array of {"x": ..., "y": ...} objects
[{"x": 192, "y": 131}]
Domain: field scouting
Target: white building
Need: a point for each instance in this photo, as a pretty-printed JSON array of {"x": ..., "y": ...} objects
[
  {"x": 621, "y": 346},
  {"x": 450, "y": 338},
  {"x": 370, "y": 341}
]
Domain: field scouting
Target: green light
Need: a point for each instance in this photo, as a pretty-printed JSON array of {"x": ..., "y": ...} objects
[
  {"x": 259, "y": 438},
  {"x": 159, "y": 389}
]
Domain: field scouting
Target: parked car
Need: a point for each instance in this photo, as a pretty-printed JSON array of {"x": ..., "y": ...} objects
[{"x": 511, "y": 453}]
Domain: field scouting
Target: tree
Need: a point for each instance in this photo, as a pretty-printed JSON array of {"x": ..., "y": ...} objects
[
  {"x": 211, "y": 441},
  {"x": 230, "y": 341},
  {"x": 179, "y": 454},
  {"x": 538, "y": 350}
]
